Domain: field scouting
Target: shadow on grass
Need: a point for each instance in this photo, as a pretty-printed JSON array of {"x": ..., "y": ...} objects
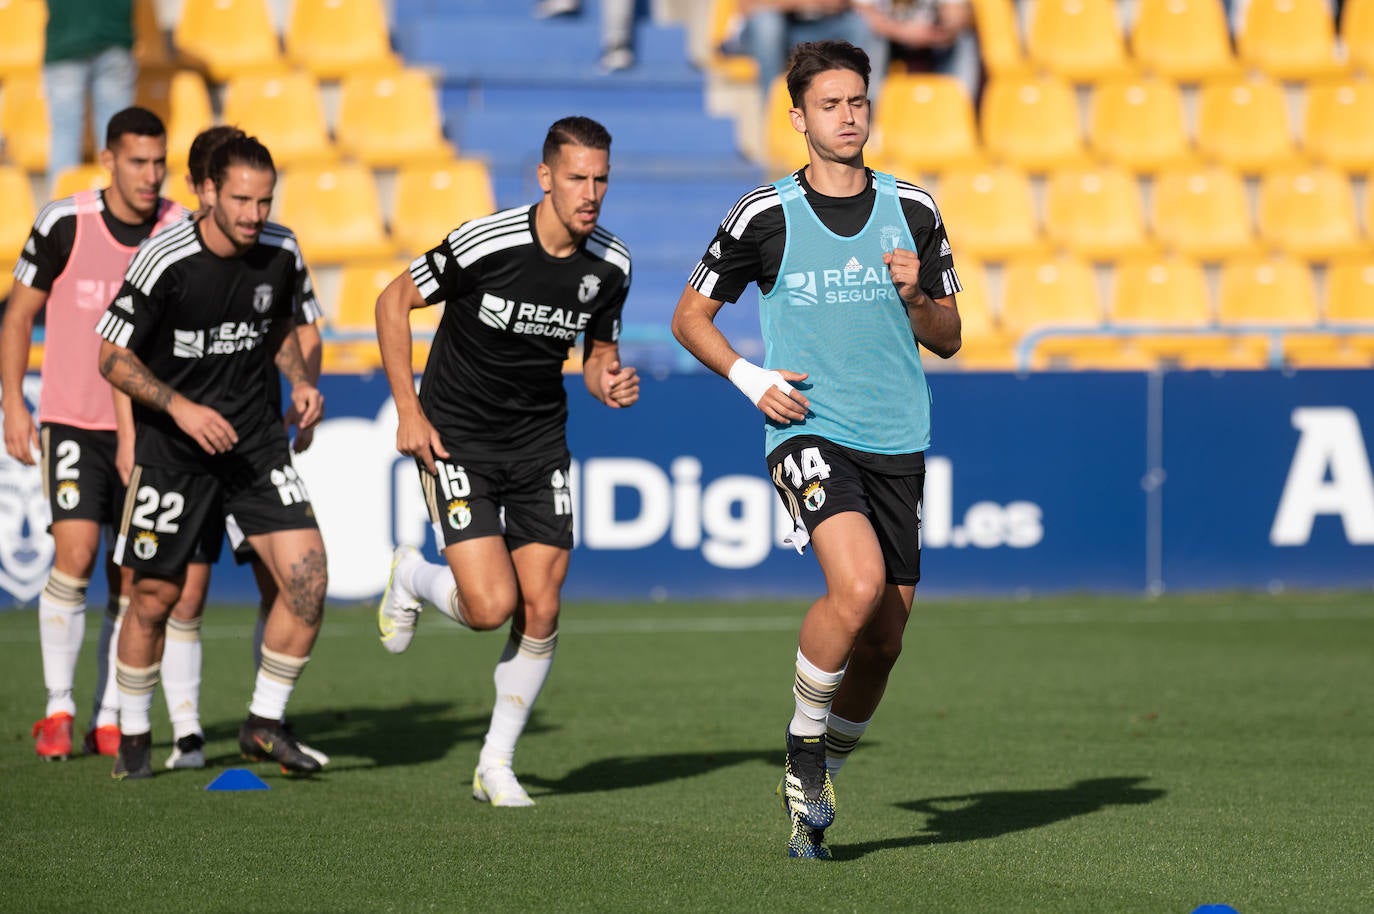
[
  {"x": 407, "y": 735},
  {"x": 623, "y": 773},
  {"x": 975, "y": 816}
]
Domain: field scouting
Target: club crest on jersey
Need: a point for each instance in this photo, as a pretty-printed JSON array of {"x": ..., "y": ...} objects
[
  {"x": 891, "y": 238},
  {"x": 262, "y": 298},
  {"x": 813, "y": 496},
  {"x": 145, "y": 545},
  {"x": 68, "y": 495},
  {"x": 459, "y": 514},
  {"x": 587, "y": 289}
]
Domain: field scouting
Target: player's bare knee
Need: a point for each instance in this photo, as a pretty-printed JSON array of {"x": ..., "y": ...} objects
[
  {"x": 858, "y": 594},
  {"x": 484, "y": 612}
]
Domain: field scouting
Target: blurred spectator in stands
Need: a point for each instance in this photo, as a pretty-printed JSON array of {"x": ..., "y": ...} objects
[
  {"x": 617, "y": 28},
  {"x": 89, "y": 51},
  {"x": 767, "y": 30},
  {"x": 928, "y": 36}
]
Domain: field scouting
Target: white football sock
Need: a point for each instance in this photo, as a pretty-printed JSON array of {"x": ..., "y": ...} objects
[
  {"x": 814, "y": 689},
  {"x": 841, "y": 736},
  {"x": 136, "y": 687},
  {"x": 434, "y": 583},
  {"x": 276, "y": 679},
  {"x": 61, "y": 629},
  {"x": 107, "y": 694},
  {"x": 181, "y": 662},
  {"x": 519, "y": 677}
]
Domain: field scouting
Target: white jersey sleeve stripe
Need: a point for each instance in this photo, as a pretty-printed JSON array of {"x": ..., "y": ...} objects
[
  {"x": 423, "y": 277},
  {"x": 704, "y": 280},
  {"x": 739, "y": 223},
  {"x": 115, "y": 329},
  {"x": 24, "y": 271},
  {"x": 912, "y": 192},
  {"x": 47, "y": 218},
  {"x": 472, "y": 254}
]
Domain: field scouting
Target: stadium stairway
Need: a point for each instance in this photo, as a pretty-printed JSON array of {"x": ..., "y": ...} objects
[{"x": 675, "y": 169}]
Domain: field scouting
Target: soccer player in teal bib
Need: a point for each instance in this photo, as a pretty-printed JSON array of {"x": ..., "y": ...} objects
[{"x": 855, "y": 275}]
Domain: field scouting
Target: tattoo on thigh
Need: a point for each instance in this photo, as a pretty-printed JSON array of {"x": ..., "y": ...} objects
[{"x": 305, "y": 587}]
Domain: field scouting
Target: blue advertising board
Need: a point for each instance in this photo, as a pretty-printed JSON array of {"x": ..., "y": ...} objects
[{"x": 1047, "y": 482}]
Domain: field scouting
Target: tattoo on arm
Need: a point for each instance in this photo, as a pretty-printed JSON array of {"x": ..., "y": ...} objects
[
  {"x": 126, "y": 372},
  {"x": 291, "y": 362}
]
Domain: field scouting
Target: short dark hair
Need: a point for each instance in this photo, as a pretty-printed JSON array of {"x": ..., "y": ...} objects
[
  {"x": 813, "y": 58},
  {"x": 135, "y": 120},
  {"x": 239, "y": 150},
  {"x": 206, "y": 142},
  {"x": 575, "y": 131}
]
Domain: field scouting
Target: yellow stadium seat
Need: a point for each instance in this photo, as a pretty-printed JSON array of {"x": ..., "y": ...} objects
[
  {"x": 1244, "y": 123},
  {"x": 1032, "y": 122},
  {"x": 1337, "y": 124},
  {"x": 1202, "y": 212},
  {"x": 1309, "y": 212},
  {"x": 784, "y": 147},
  {"x": 1357, "y": 34},
  {"x": 1216, "y": 351},
  {"x": 1079, "y": 40},
  {"x": 285, "y": 112},
  {"x": 1183, "y": 40},
  {"x": 1291, "y": 40},
  {"x": 1270, "y": 291},
  {"x": 433, "y": 200},
  {"x": 24, "y": 122},
  {"x": 990, "y": 212},
  {"x": 1328, "y": 350},
  {"x": 1059, "y": 292},
  {"x": 79, "y": 177},
  {"x": 1159, "y": 292},
  {"x": 999, "y": 38},
  {"x": 335, "y": 212},
  {"x": 359, "y": 286},
  {"x": 922, "y": 123},
  {"x": 733, "y": 67},
  {"x": 1054, "y": 291},
  {"x": 985, "y": 344},
  {"x": 390, "y": 119},
  {"x": 21, "y": 37},
  {"x": 1096, "y": 212},
  {"x": 354, "y": 314},
  {"x": 150, "y": 43},
  {"x": 153, "y": 90},
  {"x": 227, "y": 38},
  {"x": 336, "y": 38},
  {"x": 16, "y": 216},
  {"x": 1350, "y": 292},
  {"x": 1138, "y": 123},
  {"x": 189, "y": 112}
]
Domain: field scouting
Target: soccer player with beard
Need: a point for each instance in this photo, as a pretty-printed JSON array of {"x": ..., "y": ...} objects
[
  {"x": 488, "y": 428},
  {"x": 189, "y": 337}
]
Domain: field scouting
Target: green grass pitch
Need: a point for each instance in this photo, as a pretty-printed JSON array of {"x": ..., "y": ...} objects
[{"x": 1076, "y": 754}]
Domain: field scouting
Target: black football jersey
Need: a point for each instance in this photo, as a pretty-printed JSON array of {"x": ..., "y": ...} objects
[
  {"x": 749, "y": 243},
  {"x": 493, "y": 385},
  {"x": 208, "y": 326}
]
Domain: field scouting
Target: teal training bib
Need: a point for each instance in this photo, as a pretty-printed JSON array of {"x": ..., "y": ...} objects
[{"x": 835, "y": 314}]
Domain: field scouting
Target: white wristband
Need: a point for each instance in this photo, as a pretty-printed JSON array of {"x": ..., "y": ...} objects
[{"x": 754, "y": 381}]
